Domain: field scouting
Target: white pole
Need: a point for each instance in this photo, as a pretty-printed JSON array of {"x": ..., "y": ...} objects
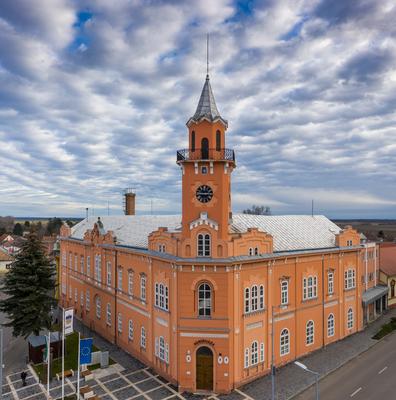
[
  {"x": 78, "y": 370},
  {"x": 63, "y": 353},
  {"x": 48, "y": 363}
]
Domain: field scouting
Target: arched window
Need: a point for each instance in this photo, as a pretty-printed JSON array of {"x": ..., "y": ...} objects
[
  {"x": 204, "y": 300},
  {"x": 98, "y": 305},
  {"x": 203, "y": 245},
  {"x": 205, "y": 148},
  {"x": 247, "y": 300},
  {"x": 309, "y": 329},
  {"x": 254, "y": 354},
  {"x": 254, "y": 305},
  {"x": 193, "y": 141},
  {"x": 256, "y": 251},
  {"x": 108, "y": 314},
  {"x": 218, "y": 141},
  {"x": 284, "y": 292},
  {"x": 284, "y": 342},
  {"x": 250, "y": 251},
  {"x": 130, "y": 329},
  {"x": 330, "y": 325},
  {"x": 350, "y": 319}
]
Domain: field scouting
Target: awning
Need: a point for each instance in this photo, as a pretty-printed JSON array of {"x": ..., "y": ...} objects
[{"x": 369, "y": 296}]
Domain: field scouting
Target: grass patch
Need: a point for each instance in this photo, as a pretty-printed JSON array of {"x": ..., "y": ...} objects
[
  {"x": 386, "y": 329},
  {"x": 71, "y": 359}
]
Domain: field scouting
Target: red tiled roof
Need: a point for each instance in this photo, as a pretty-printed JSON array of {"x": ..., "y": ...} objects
[{"x": 387, "y": 258}]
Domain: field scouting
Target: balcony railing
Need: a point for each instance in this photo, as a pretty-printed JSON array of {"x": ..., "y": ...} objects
[{"x": 205, "y": 154}]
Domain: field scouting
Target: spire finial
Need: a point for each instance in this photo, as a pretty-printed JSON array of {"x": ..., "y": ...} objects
[{"x": 207, "y": 54}]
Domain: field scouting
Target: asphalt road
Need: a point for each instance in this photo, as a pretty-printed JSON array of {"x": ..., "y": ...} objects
[{"x": 370, "y": 376}]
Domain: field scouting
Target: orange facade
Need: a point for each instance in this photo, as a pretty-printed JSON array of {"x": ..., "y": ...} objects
[{"x": 198, "y": 303}]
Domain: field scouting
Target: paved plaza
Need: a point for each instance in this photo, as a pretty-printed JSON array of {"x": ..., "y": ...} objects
[{"x": 130, "y": 379}]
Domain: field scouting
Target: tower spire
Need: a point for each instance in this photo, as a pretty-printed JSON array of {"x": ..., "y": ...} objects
[{"x": 207, "y": 54}]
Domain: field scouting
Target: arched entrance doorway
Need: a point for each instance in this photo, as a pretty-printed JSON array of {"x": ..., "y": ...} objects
[
  {"x": 205, "y": 148},
  {"x": 204, "y": 369}
]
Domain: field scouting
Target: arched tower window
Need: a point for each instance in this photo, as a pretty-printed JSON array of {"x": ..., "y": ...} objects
[
  {"x": 203, "y": 245},
  {"x": 204, "y": 300},
  {"x": 193, "y": 141},
  {"x": 218, "y": 141},
  {"x": 205, "y": 148}
]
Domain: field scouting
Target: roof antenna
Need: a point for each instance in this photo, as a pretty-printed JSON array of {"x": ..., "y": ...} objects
[
  {"x": 312, "y": 210},
  {"x": 207, "y": 54}
]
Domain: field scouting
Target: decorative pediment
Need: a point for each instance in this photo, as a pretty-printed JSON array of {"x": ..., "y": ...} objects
[{"x": 204, "y": 220}]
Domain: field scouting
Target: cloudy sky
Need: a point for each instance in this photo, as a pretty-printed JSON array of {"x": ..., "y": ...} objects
[{"x": 94, "y": 97}]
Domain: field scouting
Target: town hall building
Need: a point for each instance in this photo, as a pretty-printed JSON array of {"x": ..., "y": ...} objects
[{"x": 196, "y": 296}]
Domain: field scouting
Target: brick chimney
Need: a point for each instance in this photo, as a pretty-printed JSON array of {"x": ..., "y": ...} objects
[{"x": 129, "y": 202}]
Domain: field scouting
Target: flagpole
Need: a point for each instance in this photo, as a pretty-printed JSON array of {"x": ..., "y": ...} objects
[
  {"x": 48, "y": 363},
  {"x": 78, "y": 371},
  {"x": 63, "y": 353}
]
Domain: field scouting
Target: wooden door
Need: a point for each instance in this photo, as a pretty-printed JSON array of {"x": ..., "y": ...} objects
[{"x": 204, "y": 369}]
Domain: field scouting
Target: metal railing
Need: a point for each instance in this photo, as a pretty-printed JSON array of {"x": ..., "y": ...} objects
[{"x": 205, "y": 154}]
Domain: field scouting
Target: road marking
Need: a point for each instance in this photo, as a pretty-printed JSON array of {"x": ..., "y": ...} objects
[
  {"x": 356, "y": 392},
  {"x": 382, "y": 370}
]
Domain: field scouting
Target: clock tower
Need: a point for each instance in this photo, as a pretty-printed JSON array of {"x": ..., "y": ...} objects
[{"x": 206, "y": 181}]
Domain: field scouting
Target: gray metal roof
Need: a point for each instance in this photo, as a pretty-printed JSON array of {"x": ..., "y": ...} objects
[
  {"x": 290, "y": 232},
  {"x": 207, "y": 108},
  {"x": 374, "y": 293}
]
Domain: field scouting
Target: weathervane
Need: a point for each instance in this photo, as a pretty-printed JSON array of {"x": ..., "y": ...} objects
[{"x": 207, "y": 54}]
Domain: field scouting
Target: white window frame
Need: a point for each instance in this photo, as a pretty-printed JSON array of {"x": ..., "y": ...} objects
[
  {"x": 130, "y": 329},
  {"x": 119, "y": 278},
  {"x": 247, "y": 300},
  {"x": 82, "y": 298},
  {"x": 262, "y": 352},
  {"x": 143, "y": 337},
  {"x": 108, "y": 273},
  {"x": 284, "y": 292},
  {"x": 89, "y": 265},
  {"x": 143, "y": 282},
  {"x": 87, "y": 301},
  {"x": 119, "y": 322},
  {"x": 246, "y": 363},
  {"x": 98, "y": 307},
  {"x": 82, "y": 263},
  {"x": 310, "y": 332},
  {"x": 75, "y": 295},
  {"x": 350, "y": 279},
  {"x": 261, "y": 297},
  {"x": 130, "y": 283},
  {"x": 284, "y": 342},
  {"x": 310, "y": 287},
  {"x": 350, "y": 318},
  {"x": 76, "y": 262},
  {"x": 330, "y": 283},
  {"x": 254, "y": 353},
  {"x": 203, "y": 245},
  {"x": 254, "y": 298},
  {"x": 250, "y": 251},
  {"x": 161, "y": 348},
  {"x": 205, "y": 301},
  {"x": 108, "y": 314},
  {"x": 330, "y": 325}
]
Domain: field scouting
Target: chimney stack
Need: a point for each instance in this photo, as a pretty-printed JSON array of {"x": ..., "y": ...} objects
[{"x": 129, "y": 202}]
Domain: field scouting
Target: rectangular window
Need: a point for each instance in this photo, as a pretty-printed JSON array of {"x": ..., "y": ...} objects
[
  {"x": 87, "y": 301},
  {"x": 310, "y": 287},
  {"x": 254, "y": 304},
  {"x": 143, "y": 287},
  {"x": 108, "y": 314},
  {"x": 284, "y": 293},
  {"x": 330, "y": 283},
  {"x": 89, "y": 265},
  {"x": 64, "y": 259},
  {"x": 349, "y": 278},
  {"x": 246, "y": 358},
  {"x": 82, "y": 264},
  {"x": 261, "y": 298},
  {"x": 108, "y": 273},
  {"x": 254, "y": 354},
  {"x": 261, "y": 352},
  {"x": 82, "y": 299},
  {"x": 75, "y": 262},
  {"x": 247, "y": 300},
  {"x": 119, "y": 279},
  {"x": 70, "y": 261},
  {"x": 143, "y": 338},
  {"x": 130, "y": 283},
  {"x": 119, "y": 320},
  {"x": 75, "y": 295},
  {"x": 130, "y": 330}
]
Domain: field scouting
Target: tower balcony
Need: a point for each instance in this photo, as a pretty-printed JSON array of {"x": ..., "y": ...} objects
[{"x": 205, "y": 154}]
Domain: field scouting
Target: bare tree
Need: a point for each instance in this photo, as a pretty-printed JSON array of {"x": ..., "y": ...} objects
[{"x": 258, "y": 210}]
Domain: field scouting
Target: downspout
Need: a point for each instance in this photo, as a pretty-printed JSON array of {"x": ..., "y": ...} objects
[{"x": 115, "y": 295}]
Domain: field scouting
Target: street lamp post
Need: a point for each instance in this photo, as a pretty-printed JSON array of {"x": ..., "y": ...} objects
[{"x": 305, "y": 368}]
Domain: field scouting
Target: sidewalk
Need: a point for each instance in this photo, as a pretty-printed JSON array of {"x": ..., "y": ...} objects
[{"x": 291, "y": 380}]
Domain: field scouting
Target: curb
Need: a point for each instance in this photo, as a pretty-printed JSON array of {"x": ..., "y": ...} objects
[{"x": 339, "y": 366}]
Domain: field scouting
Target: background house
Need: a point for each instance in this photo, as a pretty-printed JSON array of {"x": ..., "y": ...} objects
[{"x": 387, "y": 263}]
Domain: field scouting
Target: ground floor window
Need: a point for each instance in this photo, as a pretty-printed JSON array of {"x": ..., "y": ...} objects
[
  {"x": 330, "y": 325},
  {"x": 350, "y": 319},
  {"x": 310, "y": 332},
  {"x": 284, "y": 342}
]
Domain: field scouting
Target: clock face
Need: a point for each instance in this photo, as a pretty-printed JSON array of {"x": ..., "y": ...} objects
[{"x": 204, "y": 193}]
